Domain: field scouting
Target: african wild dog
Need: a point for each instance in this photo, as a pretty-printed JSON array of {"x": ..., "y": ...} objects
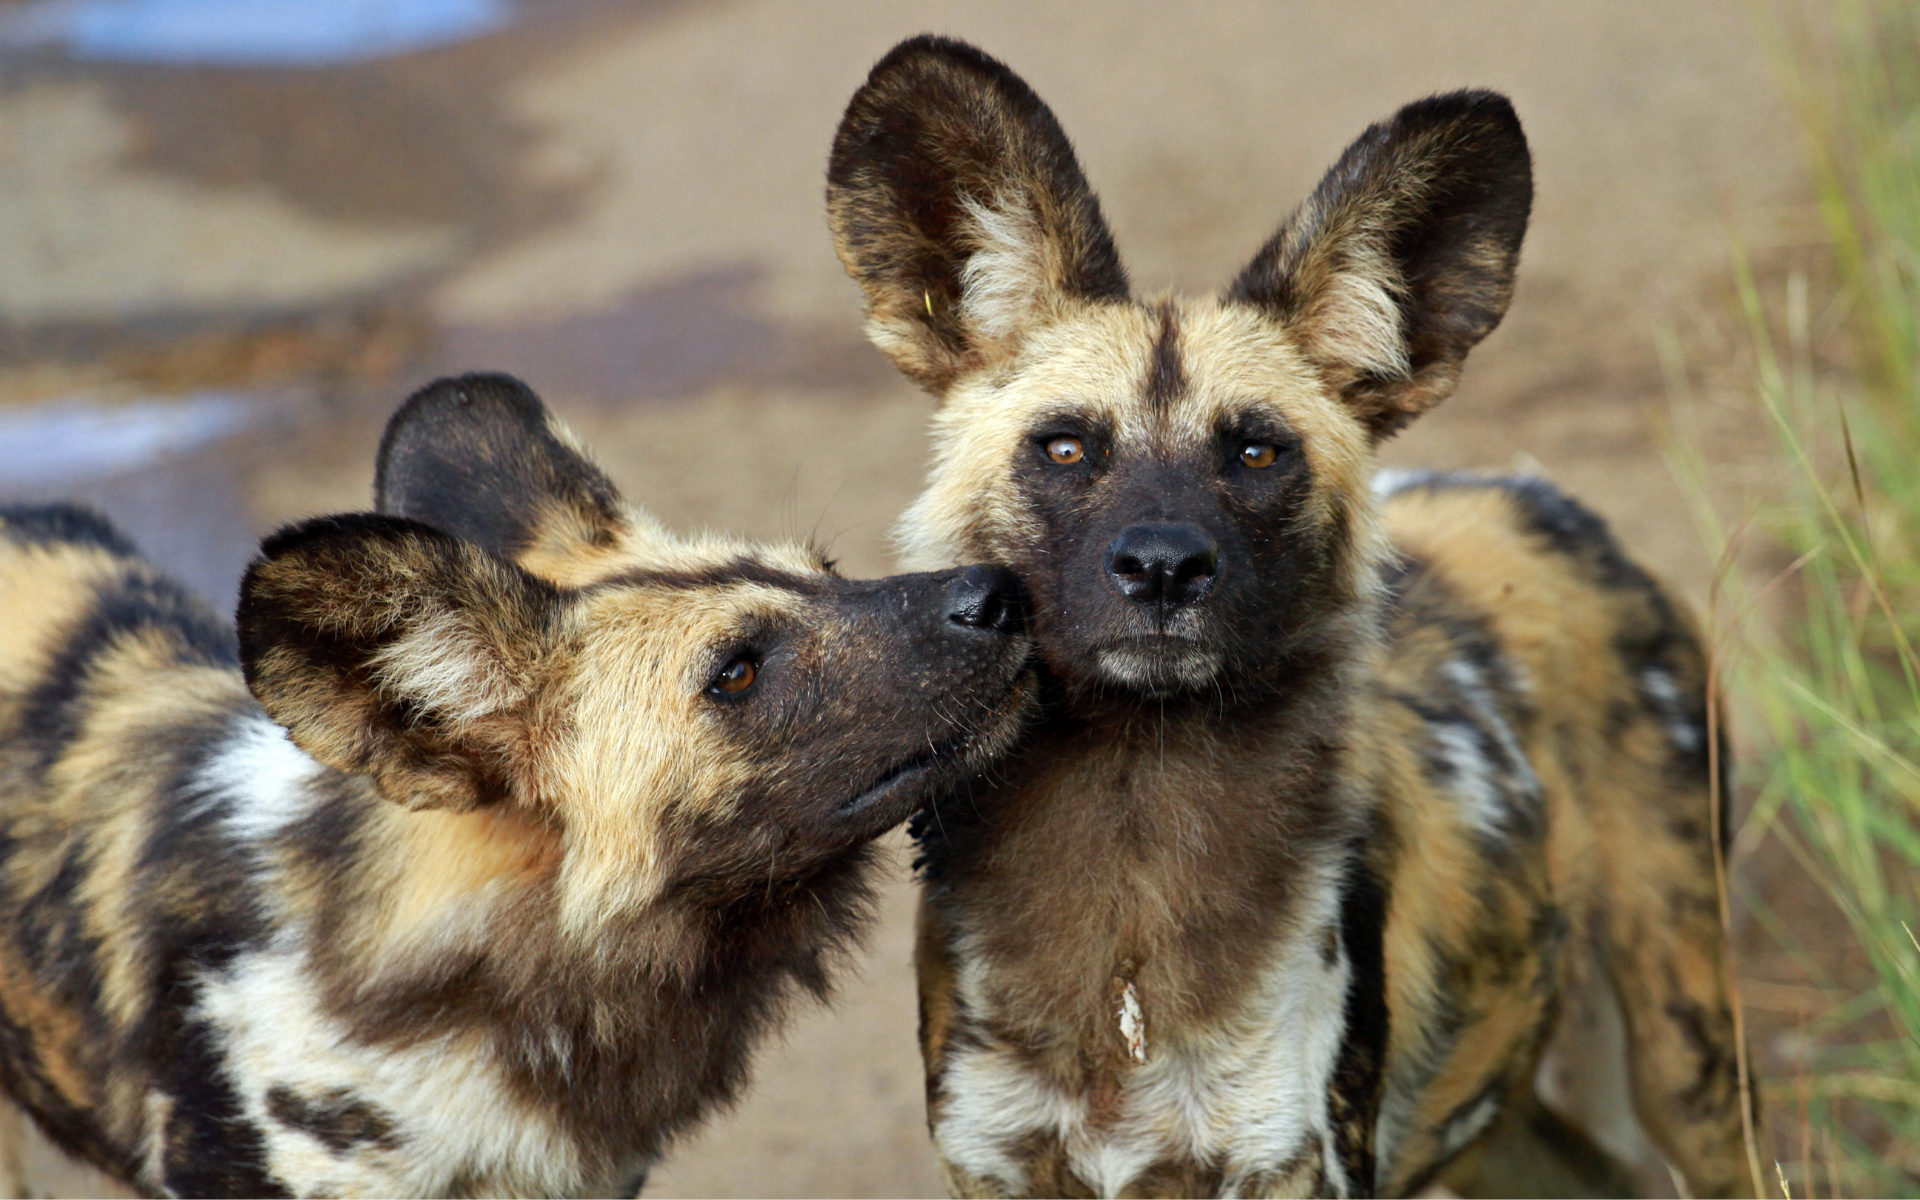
[
  {"x": 455, "y": 876},
  {"x": 1334, "y": 792}
]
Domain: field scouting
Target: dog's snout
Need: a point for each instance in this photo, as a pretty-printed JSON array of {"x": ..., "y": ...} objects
[
  {"x": 989, "y": 598},
  {"x": 1169, "y": 565}
]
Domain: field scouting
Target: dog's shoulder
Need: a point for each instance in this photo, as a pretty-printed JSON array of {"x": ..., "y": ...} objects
[
  {"x": 75, "y": 589},
  {"x": 104, "y": 659},
  {"x": 1511, "y": 571}
]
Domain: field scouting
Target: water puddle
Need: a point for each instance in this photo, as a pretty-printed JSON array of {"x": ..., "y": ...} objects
[
  {"x": 253, "y": 33},
  {"x": 164, "y": 471},
  {"x": 72, "y": 440}
]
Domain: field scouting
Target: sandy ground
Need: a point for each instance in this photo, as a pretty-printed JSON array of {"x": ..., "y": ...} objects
[{"x": 622, "y": 201}]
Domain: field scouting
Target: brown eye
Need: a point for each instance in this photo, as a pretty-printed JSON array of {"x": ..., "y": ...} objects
[
  {"x": 736, "y": 676},
  {"x": 1065, "y": 450},
  {"x": 1259, "y": 454}
]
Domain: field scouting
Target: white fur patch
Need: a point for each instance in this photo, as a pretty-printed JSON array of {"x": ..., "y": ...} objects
[
  {"x": 1356, "y": 322},
  {"x": 263, "y": 777},
  {"x": 443, "y": 668},
  {"x": 159, "y": 1109},
  {"x": 1388, "y": 481},
  {"x": 1664, "y": 695},
  {"x": 1183, "y": 664},
  {"x": 1487, "y": 791},
  {"x": 1008, "y": 276},
  {"x": 455, "y": 1120},
  {"x": 1469, "y": 1125},
  {"x": 1133, "y": 1024},
  {"x": 1471, "y": 780},
  {"x": 994, "y": 1101}
]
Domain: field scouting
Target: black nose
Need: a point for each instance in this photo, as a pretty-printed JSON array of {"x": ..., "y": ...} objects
[
  {"x": 983, "y": 597},
  {"x": 1169, "y": 565}
]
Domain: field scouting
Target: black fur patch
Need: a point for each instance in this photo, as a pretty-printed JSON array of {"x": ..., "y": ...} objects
[
  {"x": 1354, "y": 1101},
  {"x": 338, "y": 1119},
  {"x": 189, "y": 864},
  {"x": 1167, "y": 376},
  {"x": 475, "y": 457},
  {"x": 210, "y": 1148},
  {"x": 57, "y": 524},
  {"x": 1577, "y": 532}
]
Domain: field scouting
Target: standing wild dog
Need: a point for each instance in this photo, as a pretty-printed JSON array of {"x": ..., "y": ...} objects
[
  {"x": 461, "y": 876},
  {"x": 1333, "y": 791}
]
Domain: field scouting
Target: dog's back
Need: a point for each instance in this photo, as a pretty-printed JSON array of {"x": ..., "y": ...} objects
[
  {"x": 113, "y": 680},
  {"x": 1580, "y": 841}
]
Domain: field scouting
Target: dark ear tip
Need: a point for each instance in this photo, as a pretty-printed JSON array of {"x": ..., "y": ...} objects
[
  {"x": 292, "y": 539},
  {"x": 935, "y": 71},
  {"x": 1490, "y": 115},
  {"x": 935, "y": 48},
  {"x": 461, "y": 393},
  {"x": 1479, "y": 104},
  {"x": 454, "y": 399}
]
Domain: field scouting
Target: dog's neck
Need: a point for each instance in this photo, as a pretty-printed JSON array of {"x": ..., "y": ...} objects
[
  {"x": 422, "y": 925},
  {"x": 1151, "y": 854},
  {"x": 1159, "y": 938}
]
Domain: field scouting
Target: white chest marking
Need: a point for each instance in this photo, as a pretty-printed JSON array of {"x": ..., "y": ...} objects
[
  {"x": 264, "y": 778},
  {"x": 1133, "y": 1024}
]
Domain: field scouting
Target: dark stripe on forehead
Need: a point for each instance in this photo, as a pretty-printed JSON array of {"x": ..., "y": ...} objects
[{"x": 1166, "y": 373}]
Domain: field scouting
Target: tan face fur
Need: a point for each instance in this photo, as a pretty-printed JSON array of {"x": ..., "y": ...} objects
[
  {"x": 1162, "y": 562},
  {"x": 1091, "y": 369}
]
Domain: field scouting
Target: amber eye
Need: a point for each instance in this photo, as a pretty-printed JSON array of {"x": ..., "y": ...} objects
[
  {"x": 736, "y": 676},
  {"x": 1259, "y": 454},
  {"x": 1065, "y": 450}
]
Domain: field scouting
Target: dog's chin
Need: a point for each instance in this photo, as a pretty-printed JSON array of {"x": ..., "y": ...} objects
[
  {"x": 1157, "y": 664},
  {"x": 928, "y": 774}
]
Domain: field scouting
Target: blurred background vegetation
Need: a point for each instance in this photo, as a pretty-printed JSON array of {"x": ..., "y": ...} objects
[{"x": 1817, "y": 635}]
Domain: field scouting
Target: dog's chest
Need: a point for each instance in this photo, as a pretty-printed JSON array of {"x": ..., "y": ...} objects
[{"x": 1238, "y": 1107}]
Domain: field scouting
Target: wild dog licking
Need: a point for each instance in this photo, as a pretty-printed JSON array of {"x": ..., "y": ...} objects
[
  {"x": 484, "y": 857},
  {"x": 1336, "y": 793}
]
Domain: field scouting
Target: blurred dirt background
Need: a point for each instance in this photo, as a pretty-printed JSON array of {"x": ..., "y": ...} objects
[{"x": 216, "y": 280}]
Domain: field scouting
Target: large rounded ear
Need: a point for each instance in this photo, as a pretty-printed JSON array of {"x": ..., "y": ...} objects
[
  {"x": 388, "y": 648},
  {"x": 1404, "y": 256},
  {"x": 957, "y": 205},
  {"x": 480, "y": 457}
]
